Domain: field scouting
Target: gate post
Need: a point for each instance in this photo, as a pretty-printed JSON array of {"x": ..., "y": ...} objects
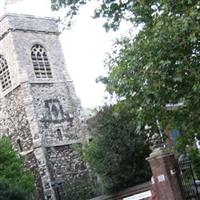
[{"x": 165, "y": 179}]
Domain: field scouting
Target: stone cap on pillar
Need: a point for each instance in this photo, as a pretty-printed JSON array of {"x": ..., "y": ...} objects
[{"x": 160, "y": 152}]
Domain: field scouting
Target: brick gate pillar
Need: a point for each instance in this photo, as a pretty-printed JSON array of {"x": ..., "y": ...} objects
[{"x": 164, "y": 176}]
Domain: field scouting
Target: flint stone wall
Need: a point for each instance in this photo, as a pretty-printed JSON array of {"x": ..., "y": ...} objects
[
  {"x": 65, "y": 163},
  {"x": 43, "y": 114},
  {"x": 14, "y": 124}
]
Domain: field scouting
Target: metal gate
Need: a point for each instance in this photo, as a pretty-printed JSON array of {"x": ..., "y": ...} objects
[{"x": 186, "y": 175}]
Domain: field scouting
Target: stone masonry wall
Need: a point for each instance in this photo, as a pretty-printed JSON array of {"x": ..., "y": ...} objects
[
  {"x": 31, "y": 163},
  {"x": 41, "y": 115},
  {"x": 15, "y": 125},
  {"x": 65, "y": 163},
  {"x": 14, "y": 120},
  {"x": 65, "y": 116}
]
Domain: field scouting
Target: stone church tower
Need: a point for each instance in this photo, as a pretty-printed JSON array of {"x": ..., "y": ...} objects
[{"x": 39, "y": 109}]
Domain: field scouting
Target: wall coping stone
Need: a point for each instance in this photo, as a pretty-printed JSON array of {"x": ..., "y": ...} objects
[
  {"x": 126, "y": 192},
  {"x": 160, "y": 152}
]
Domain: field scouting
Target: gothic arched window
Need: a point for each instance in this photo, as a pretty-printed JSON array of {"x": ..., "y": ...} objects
[
  {"x": 40, "y": 61},
  {"x": 5, "y": 80}
]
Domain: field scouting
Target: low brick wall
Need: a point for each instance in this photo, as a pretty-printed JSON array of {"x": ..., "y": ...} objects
[{"x": 127, "y": 192}]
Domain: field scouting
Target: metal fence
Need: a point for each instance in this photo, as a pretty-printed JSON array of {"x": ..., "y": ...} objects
[{"x": 187, "y": 179}]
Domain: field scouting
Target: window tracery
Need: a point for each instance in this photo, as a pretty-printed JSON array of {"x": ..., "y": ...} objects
[
  {"x": 40, "y": 62},
  {"x": 5, "y": 79}
]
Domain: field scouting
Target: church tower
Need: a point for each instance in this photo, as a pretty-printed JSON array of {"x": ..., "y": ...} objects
[{"x": 39, "y": 109}]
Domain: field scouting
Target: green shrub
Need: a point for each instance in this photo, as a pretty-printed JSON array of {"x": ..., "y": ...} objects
[
  {"x": 194, "y": 155},
  {"x": 117, "y": 152},
  {"x": 12, "y": 172},
  {"x": 8, "y": 192}
]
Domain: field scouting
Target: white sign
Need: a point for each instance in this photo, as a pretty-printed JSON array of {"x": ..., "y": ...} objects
[
  {"x": 139, "y": 196},
  {"x": 152, "y": 180},
  {"x": 161, "y": 178}
]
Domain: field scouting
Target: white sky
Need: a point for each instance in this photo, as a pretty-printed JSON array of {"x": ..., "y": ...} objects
[{"x": 84, "y": 46}]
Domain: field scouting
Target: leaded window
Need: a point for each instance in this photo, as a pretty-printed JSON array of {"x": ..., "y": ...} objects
[
  {"x": 5, "y": 80},
  {"x": 40, "y": 61}
]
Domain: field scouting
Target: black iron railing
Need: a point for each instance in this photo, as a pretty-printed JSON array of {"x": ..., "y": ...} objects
[{"x": 187, "y": 179}]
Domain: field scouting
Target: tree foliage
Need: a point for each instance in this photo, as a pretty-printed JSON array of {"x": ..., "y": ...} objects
[
  {"x": 137, "y": 12},
  {"x": 8, "y": 192},
  {"x": 114, "y": 11},
  {"x": 12, "y": 173},
  {"x": 160, "y": 67},
  {"x": 117, "y": 152},
  {"x": 194, "y": 155},
  {"x": 157, "y": 74}
]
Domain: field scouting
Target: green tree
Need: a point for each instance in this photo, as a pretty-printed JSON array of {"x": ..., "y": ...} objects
[
  {"x": 159, "y": 66},
  {"x": 12, "y": 171},
  {"x": 113, "y": 10},
  {"x": 194, "y": 155},
  {"x": 8, "y": 192},
  {"x": 118, "y": 150}
]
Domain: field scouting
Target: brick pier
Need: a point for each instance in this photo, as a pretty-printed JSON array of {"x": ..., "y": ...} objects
[{"x": 164, "y": 175}]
